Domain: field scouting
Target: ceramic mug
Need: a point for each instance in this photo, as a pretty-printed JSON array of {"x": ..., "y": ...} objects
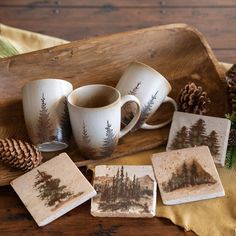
[
  {"x": 46, "y": 113},
  {"x": 150, "y": 87},
  {"x": 95, "y": 115}
]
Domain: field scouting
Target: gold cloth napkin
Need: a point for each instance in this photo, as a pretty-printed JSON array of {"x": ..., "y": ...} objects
[
  {"x": 215, "y": 217},
  {"x": 25, "y": 41}
]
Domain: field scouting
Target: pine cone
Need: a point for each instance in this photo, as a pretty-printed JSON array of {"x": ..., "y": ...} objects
[
  {"x": 232, "y": 138},
  {"x": 231, "y": 81},
  {"x": 193, "y": 99},
  {"x": 231, "y": 75},
  {"x": 19, "y": 154}
]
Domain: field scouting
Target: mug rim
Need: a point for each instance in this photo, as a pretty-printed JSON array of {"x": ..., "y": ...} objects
[
  {"x": 29, "y": 83},
  {"x": 153, "y": 70},
  {"x": 94, "y": 85}
]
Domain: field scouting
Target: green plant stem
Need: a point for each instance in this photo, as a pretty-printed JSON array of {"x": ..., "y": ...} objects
[{"x": 230, "y": 156}]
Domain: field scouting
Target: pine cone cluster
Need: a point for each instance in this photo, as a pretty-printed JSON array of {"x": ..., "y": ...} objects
[
  {"x": 193, "y": 99},
  {"x": 231, "y": 81},
  {"x": 19, "y": 154}
]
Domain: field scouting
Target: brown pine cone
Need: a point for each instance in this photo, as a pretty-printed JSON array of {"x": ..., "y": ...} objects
[
  {"x": 232, "y": 137},
  {"x": 193, "y": 99},
  {"x": 231, "y": 81},
  {"x": 231, "y": 75},
  {"x": 19, "y": 154}
]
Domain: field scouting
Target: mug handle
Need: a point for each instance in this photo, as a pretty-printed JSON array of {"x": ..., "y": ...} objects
[
  {"x": 147, "y": 126},
  {"x": 132, "y": 123}
]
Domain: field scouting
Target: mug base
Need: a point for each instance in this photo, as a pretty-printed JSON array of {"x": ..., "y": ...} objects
[{"x": 52, "y": 146}]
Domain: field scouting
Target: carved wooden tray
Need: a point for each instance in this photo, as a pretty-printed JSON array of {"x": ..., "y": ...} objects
[{"x": 177, "y": 51}]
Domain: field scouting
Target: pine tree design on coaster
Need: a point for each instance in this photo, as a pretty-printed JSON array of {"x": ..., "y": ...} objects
[
  {"x": 64, "y": 131},
  {"x": 124, "y": 191},
  {"x": 129, "y": 109},
  {"x": 181, "y": 139},
  {"x": 51, "y": 192},
  {"x": 188, "y": 175},
  {"x": 197, "y": 133},
  {"x": 52, "y": 189},
  {"x": 146, "y": 109},
  {"x": 190, "y": 130},
  {"x": 196, "y": 136},
  {"x": 44, "y": 127},
  {"x": 212, "y": 142},
  {"x": 85, "y": 147},
  {"x": 110, "y": 142}
]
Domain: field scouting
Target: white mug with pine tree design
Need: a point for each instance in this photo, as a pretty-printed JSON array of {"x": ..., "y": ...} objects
[
  {"x": 46, "y": 113},
  {"x": 95, "y": 115},
  {"x": 150, "y": 87}
]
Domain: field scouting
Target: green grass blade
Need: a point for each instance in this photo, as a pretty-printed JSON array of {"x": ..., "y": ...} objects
[{"x": 6, "y": 48}]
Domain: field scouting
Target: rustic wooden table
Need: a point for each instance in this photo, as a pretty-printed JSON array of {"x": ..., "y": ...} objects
[{"x": 74, "y": 20}]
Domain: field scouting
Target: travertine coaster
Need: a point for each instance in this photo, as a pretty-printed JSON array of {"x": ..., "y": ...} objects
[
  {"x": 186, "y": 175},
  {"x": 190, "y": 130},
  {"x": 124, "y": 191},
  {"x": 52, "y": 189}
]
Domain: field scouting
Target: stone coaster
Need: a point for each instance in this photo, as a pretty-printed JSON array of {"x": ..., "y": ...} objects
[
  {"x": 186, "y": 175},
  {"x": 52, "y": 189},
  {"x": 124, "y": 191},
  {"x": 190, "y": 130}
]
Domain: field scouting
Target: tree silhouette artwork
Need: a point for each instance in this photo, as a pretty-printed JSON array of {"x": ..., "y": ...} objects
[
  {"x": 44, "y": 126},
  {"x": 122, "y": 192},
  {"x": 145, "y": 112},
  {"x": 85, "y": 146},
  {"x": 213, "y": 143},
  {"x": 129, "y": 107},
  {"x": 135, "y": 89},
  {"x": 196, "y": 136},
  {"x": 64, "y": 131},
  {"x": 188, "y": 175},
  {"x": 110, "y": 142},
  {"x": 197, "y": 133},
  {"x": 51, "y": 191},
  {"x": 181, "y": 139}
]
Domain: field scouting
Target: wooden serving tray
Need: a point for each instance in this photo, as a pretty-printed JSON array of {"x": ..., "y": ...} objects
[{"x": 177, "y": 51}]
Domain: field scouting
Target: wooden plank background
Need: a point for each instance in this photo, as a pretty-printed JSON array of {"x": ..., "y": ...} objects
[
  {"x": 78, "y": 19},
  {"x": 73, "y": 19}
]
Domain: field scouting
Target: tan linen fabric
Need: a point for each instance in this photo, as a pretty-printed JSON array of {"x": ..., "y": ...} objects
[{"x": 215, "y": 217}]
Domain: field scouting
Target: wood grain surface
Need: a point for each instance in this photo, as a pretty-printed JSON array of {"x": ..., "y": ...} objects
[
  {"x": 15, "y": 220},
  {"x": 72, "y": 20},
  {"x": 213, "y": 18}
]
